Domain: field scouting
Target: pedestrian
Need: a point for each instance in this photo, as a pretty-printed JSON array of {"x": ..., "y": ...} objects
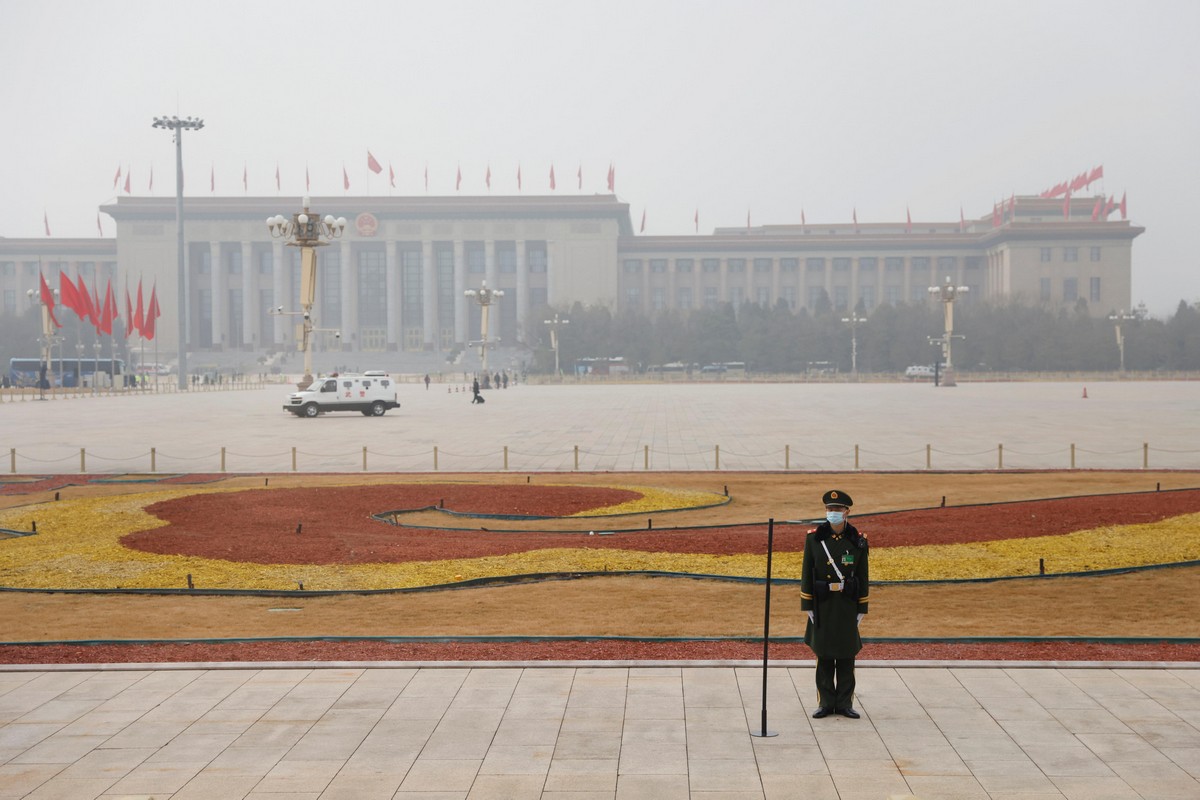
[
  {"x": 504, "y": 378},
  {"x": 476, "y": 396},
  {"x": 427, "y": 381},
  {"x": 834, "y": 588}
]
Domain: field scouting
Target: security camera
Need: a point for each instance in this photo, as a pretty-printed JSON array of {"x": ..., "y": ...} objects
[
  {"x": 337, "y": 334},
  {"x": 306, "y": 317}
]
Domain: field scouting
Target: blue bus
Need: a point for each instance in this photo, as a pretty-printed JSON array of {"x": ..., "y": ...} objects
[{"x": 26, "y": 372}]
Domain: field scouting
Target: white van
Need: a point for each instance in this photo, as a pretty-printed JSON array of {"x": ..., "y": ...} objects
[{"x": 371, "y": 393}]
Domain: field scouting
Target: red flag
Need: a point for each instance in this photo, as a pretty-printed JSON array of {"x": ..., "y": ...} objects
[
  {"x": 908, "y": 225},
  {"x": 306, "y": 183},
  {"x": 372, "y": 164},
  {"x": 345, "y": 179},
  {"x": 962, "y": 221},
  {"x": 150, "y": 187},
  {"x": 48, "y": 300},
  {"x": 391, "y": 175},
  {"x": 108, "y": 311},
  {"x": 643, "y": 229},
  {"x": 139, "y": 313},
  {"x": 128, "y": 174},
  {"x": 212, "y": 178},
  {"x": 97, "y": 309},
  {"x": 488, "y": 178},
  {"x": 1110, "y": 206},
  {"x": 46, "y": 222},
  {"x": 579, "y": 175},
  {"x": 245, "y": 179},
  {"x": 1123, "y": 215},
  {"x": 99, "y": 228},
  {"x": 1096, "y": 209},
  {"x": 153, "y": 312},
  {"x": 69, "y": 296},
  {"x": 117, "y": 177},
  {"x": 128, "y": 311},
  {"x": 696, "y": 219},
  {"x": 612, "y": 178},
  {"x": 552, "y": 186},
  {"x": 458, "y": 179},
  {"x": 84, "y": 298},
  {"x": 277, "y": 176},
  {"x": 1067, "y": 205},
  {"x": 518, "y": 177}
]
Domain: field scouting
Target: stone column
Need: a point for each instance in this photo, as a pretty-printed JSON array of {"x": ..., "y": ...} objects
[
  {"x": 429, "y": 295},
  {"x": 522, "y": 298},
  {"x": 349, "y": 297},
  {"x": 460, "y": 300},
  {"x": 395, "y": 280},
  {"x": 250, "y": 304},
  {"x": 279, "y": 286},
  {"x": 216, "y": 280}
]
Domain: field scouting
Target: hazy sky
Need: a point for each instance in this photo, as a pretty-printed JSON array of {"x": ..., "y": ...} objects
[{"x": 722, "y": 108}]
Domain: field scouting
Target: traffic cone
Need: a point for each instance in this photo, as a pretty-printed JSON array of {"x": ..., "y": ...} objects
[{"x": 1085, "y": 393}]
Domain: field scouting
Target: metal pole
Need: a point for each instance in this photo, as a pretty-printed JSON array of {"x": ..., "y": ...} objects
[
  {"x": 180, "y": 271},
  {"x": 767, "y": 630}
]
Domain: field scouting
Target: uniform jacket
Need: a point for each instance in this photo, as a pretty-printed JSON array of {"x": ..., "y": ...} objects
[{"x": 835, "y": 632}]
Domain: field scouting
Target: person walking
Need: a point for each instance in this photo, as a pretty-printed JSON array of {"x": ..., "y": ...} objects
[
  {"x": 477, "y": 397},
  {"x": 427, "y": 381},
  {"x": 834, "y": 588}
]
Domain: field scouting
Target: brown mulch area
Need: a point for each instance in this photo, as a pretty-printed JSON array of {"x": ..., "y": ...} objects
[{"x": 575, "y": 650}]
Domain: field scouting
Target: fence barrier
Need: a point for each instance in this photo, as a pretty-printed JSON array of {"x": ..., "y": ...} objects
[{"x": 787, "y": 458}]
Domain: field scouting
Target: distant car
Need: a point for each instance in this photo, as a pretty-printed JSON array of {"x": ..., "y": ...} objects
[
  {"x": 371, "y": 393},
  {"x": 918, "y": 371}
]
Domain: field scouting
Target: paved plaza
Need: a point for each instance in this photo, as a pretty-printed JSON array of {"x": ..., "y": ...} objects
[
  {"x": 729, "y": 426},
  {"x": 359, "y": 732}
]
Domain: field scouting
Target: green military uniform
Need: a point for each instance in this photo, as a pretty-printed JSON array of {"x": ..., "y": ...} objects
[{"x": 836, "y": 603}]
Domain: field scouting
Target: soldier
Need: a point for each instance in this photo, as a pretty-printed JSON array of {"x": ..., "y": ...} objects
[{"x": 833, "y": 591}]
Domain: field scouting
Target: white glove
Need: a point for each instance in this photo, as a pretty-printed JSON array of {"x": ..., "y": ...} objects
[
  {"x": 860, "y": 616},
  {"x": 811, "y": 618}
]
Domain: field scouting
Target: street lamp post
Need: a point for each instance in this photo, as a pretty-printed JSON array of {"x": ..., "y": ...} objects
[
  {"x": 854, "y": 320},
  {"x": 96, "y": 366},
  {"x": 485, "y": 297},
  {"x": 555, "y": 324},
  {"x": 1117, "y": 318},
  {"x": 307, "y": 231},
  {"x": 179, "y": 126},
  {"x": 48, "y": 339},
  {"x": 947, "y": 293}
]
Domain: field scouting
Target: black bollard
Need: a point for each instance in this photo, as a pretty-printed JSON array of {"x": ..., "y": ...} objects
[
  {"x": 943, "y": 501},
  {"x": 299, "y": 525},
  {"x": 189, "y": 580},
  {"x": 301, "y": 585},
  {"x": 649, "y": 524},
  {"x": 266, "y": 481},
  {"x": 1041, "y": 566},
  {"x": 33, "y": 525},
  {"x": 56, "y": 495}
]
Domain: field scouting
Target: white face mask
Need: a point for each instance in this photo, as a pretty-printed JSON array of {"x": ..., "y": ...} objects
[{"x": 835, "y": 517}]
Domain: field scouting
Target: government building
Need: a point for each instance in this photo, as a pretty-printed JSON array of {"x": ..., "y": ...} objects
[{"x": 395, "y": 280}]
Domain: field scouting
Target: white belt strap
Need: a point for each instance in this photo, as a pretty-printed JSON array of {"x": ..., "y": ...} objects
[{"x": 832, "y": 563}]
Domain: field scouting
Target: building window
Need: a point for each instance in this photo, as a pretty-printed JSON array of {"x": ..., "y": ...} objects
[
  {"x": 633, "y": 266},
  {"x": 372, "y": 287},
  {"x": 536, "y": 253},
  {"x": 918, "y": 294},
  {"x": 737, "y": 295},
  {"x": 789, "y": 296},
  {"x": 683, "y": 297},
  {"x": 684, "y": 264},
  {"x": 947, "y": 264},
  {"x": 87, "y": 268},
  {"x": 737, "y": 264},
  {"x": 235, "y": 262},
  {"x": 330, "y": 279},
  {"x": 633, "y": 297},
  {"x": 762, "y": 265},
  {"x": 1047, "y": 255},
  {"x": 1095, "y": 253},
  {"x": 893, "y": 264},
  {"x": 658, "y": 265},
  {"x": 538, "y": 296},
  {"x": 710, "y": 296},
  {"x": 870, "y": 264},
  {"x": 1044, "y": 289},
  {"x": 920, "y": 263},
  {"x": 814, "y": 264},
  {"x": 893, "y": 295},
  {"x": 1094, "y": 290},
  {"x": 8, "y": 269},
  {"x": 205, "y": 265},
  {"x": 762, "y": 296},
  {"x": 866, "y": 294},
  {"x": 789, "y": 265},
  {"x": 476, "y": 258},
  {"x": 10, "y": 301},
  {"x": 841, "y": 298},
  {"x": 31, "y": 267},
  {"x": 443, "y": 266},
  {"x": 710, "y": 264},
  {"x": 1070, "y": 254},
  {"x": 972, "y": 262},
  {"x": 841, "y": 265},
  {"x": 266, "y": 262},
  {"x": 1070, "y": 290},
  {"x": 506, "y": 258},
  {"x": 658, "y": 298},
  {"x": 816, "y": 294}
]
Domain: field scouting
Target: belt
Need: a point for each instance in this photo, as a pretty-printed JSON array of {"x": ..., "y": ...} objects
[{"x": 835, "y": 587}]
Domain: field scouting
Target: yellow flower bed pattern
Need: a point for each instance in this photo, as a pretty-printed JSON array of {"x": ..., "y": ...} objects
[{"x": 78, "y": 546}]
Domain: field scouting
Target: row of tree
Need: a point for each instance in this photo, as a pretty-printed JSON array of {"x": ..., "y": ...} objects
[{"x": 1009, "y": 336}]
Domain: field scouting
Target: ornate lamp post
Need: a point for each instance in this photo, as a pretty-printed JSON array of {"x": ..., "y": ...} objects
[
  {"x": 947, "y": 293},
  {"x": 854, "y": 320},
  {"x": 555, "y": 324},
  {"x": 179, "y": 126},
  {"x": 308, "y": 232},
  {"x": 485, "y": 297},
  {"x": 48, "y": 339},
  {"x": 1117, "y": 318},
  {"x": 96, "y": 366}
]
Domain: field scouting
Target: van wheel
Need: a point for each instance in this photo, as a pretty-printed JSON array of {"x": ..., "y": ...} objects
[
  {"x": 311, "y": 410},
  {"x": 378, "y": 408}
]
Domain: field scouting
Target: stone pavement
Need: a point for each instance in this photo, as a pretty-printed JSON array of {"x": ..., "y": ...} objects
[{"x": 601, "y": 730}]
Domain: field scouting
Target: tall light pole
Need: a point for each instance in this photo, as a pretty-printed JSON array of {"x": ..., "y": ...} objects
[
  {"x": 1117, "y": 318},
  {"x": 854, "y": 320},
  {"x": 947, "y": 293},
  {"x": 308, "y": 232},
  {"x": 555, "y": 324},
  {"x": 48, "y": 338},
  {"x": 179, "y": 126},
  {"x": 485, "y": 297}
]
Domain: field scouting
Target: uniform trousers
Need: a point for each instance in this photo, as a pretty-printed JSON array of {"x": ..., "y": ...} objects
[{"x": 835, "y": 683}]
